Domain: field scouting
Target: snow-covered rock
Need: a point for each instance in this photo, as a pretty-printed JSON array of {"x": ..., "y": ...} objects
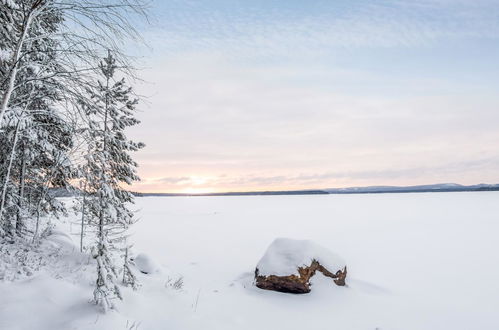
[
  {"x": 285, "y": 255},
  {"x": 288, "y": 265},
  {"x": 146, "y": 264}
]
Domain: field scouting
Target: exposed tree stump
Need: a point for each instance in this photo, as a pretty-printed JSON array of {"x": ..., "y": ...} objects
[{"x": 290, "y": 257}]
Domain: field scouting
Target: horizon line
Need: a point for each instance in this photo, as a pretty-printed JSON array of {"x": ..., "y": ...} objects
[{"x": 437, "y": 187}]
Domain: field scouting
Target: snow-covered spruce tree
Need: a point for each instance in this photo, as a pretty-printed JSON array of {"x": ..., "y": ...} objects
[
  {"x": 38, "y": 146},
  {"x": 45, "y": 150},
  {"x": 110, "y": 110},
  {"x": 51, "y": 166}
]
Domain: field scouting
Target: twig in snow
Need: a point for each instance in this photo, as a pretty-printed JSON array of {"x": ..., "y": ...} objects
[{"x": 197, "y": 299}]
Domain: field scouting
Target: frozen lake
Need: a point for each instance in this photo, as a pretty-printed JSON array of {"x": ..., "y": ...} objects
[{"x": 415, "y": 261}]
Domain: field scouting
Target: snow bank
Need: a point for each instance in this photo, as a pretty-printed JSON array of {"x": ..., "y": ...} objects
[
  {"x": 285, "y": 255},
  {"x": 61, "y": 240},
  {"x": 146, "y": 264}
]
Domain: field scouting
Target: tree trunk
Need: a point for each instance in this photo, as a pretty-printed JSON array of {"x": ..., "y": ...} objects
[
  {"x": 82, "y": 220},
  {"x": 125, "y": 262},
  {"x": 20, "y": 208},
  {"x": 7, "y": 178},
  {"x": 37, "y": 227},
  {"x": 101, "y": 233},
  {"x": 13, "y": 71},
  {"x": 44, "y": 192}
]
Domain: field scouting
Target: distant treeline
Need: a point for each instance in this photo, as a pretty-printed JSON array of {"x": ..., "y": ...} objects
[{"x": 354, "y": 190}]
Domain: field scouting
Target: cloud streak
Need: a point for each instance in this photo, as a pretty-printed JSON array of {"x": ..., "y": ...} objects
[
  {"x": 261, "y": 94},
  {"x": 275, "y": 28},
  {"x": 330, "y": 179}
]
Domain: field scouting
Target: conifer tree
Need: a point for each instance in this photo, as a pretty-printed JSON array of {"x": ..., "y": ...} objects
[{"x": 109, "y": 166}]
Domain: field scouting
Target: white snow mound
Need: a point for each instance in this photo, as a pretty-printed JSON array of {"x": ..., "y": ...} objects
[
  {"x": 61, "y": 240},
  {"x": 285, "y": 255},
  {"x": 146, "y": 264}
]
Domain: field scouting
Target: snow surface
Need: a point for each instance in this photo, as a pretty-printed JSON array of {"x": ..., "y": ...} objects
[
  {"x": 285, "y": 255},
  {"x": 415, "y": 261},
  {"x": 146, "y": 264}
]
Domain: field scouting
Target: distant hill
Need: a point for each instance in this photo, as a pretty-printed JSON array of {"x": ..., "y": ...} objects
[{"x": 442, "y": 187}]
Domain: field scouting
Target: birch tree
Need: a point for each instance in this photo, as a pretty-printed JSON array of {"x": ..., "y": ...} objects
[{"x": 83, "y": 27}]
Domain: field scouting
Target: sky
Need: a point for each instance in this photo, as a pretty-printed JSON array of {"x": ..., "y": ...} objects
[{"x": 245, "y": 95}]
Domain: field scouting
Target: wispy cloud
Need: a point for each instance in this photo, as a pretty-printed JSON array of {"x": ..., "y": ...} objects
[
  {"x": 280, "y": 94},
  {"x": 277, "y": 28}
]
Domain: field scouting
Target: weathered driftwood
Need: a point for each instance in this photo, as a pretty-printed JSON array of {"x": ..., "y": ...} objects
[{"x": 298, "y": 283}]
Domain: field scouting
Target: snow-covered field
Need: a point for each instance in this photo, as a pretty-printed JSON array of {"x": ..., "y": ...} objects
[{"x": 415, "y": 261}]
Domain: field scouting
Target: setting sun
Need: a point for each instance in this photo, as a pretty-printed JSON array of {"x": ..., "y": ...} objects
[{"x": 196, "y": 191}]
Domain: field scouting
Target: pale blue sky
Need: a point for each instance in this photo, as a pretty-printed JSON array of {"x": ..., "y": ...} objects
[{"x": 272, "y": 94}]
